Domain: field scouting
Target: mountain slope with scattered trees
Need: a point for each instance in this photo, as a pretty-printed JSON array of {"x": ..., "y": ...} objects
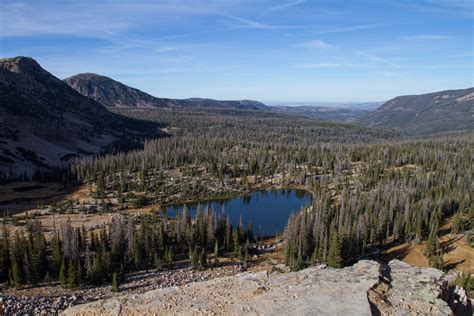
[
  {"x": 45, "y": 123},
  {"x": 336, "y": 114},
  {"x": 112, "y": 93},
  {"x": 444, "y": 111}
]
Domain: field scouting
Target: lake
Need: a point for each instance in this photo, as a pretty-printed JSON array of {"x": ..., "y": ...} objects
[{"x": 269, "y": 210}]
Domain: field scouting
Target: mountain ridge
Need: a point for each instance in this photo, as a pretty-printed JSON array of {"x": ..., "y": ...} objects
[
  {"x": 112, "y": 93},
  {"x": 44, "y": 123},
  {"x": 441, "y": 111},
  {"x": 336, "y": 114}
]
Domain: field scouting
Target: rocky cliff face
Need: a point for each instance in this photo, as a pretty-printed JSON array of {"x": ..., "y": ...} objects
[{"x": 362, "y": 289}]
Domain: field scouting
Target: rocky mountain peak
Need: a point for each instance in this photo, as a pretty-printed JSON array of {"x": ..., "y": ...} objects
[{"x": 19, "y": 64}]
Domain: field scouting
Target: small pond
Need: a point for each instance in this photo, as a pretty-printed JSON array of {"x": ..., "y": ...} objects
[{"x": 268, "y": 210}]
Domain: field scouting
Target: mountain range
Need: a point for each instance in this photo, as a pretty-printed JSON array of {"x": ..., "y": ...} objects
[
  {"x": 416, "y": 114},
  {"x": 44, "y": 123},
  {"x": 112, "y": 93}
]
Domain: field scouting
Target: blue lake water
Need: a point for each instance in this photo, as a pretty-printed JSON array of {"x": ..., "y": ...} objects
[{"x": 268, "y": 210}]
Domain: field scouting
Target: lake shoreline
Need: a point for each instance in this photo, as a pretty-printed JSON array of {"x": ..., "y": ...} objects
[{"x": 267, "y": 210}]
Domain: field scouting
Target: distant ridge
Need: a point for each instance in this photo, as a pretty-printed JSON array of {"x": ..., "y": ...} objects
[
  {"x": 443, "y": 111},
  {"x": 112, "y": 93},
  {"x": 211, "y": 103},
  {"x": 334, "y": 112}
]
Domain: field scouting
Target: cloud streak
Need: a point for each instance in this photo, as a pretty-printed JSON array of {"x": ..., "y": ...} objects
[
  {"x": 96, "y": 19},
  {"x": 428, "y": 37},
  {"x": 246, "y": 23},
  {"x": 240, "y": 22},
  {"x": 283, "y": 6},
  {"x": 343, "y": 29},
  {"x": 376, "y": 59},
  {"x": 316, "y": 43},
  {"x": 318, "y": 65}
]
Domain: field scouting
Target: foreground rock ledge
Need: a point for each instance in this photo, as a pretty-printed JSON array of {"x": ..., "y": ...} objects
[
  {"x": 313, "y": 291},
  {"x": 310, "y": 291}
]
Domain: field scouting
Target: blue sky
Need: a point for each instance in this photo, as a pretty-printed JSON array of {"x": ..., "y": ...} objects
[{"x": 285, "y": 51}]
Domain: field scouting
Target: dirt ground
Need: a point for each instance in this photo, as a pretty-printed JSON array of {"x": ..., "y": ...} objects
[
  {"x": 18, "y": 197},
  {"x": 457, "y": 253}
]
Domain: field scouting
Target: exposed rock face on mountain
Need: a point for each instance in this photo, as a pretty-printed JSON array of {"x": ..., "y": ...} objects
[
  {"x": 355, "y": 290},
  {"x": 444, "y": 111},
  {"x": 43, "y": 122},
  {"x": 112, "y": 93}
]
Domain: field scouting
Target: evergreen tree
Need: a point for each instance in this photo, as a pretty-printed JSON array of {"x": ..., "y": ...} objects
[
  {"x": 16, "y": 275},
  {"x": 157, "y": 262},
  {"x": 72, "y": 280},
  {"x": 216, "y": 253},
  {"x": 457, "y": 225},
  {"x": 202, "y": 259},
  {"x": 80, "y": 272},
  {"x": 236, "y": 243},
  {"x": 115, "y": 283},
  {"x": 334, "y": 253},
  {"x": 62, "y": 275}
]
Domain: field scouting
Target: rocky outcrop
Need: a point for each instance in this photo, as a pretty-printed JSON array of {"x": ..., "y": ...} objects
[
  {"x": 408, "y": 290},
  {"x": 363, "y": 289},
  {"x": 321, "y": 291}
]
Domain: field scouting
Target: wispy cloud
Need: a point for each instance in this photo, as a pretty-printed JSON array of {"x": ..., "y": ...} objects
[
  {"x": 240, "y": 22},
  {"x": 318, "y": 65},
  {"x": 448, "y": 7},
  {"x": 343, "y": 29},
  {"x": 428, "y": 37},
  {"x": 376, "y": 58},
  {"x": 394, "y": 73},
  {"x": 96, "y": 19},
  {"x": 283, "y": 6},
  {"x": 316, "y": 43},
  {"x": 175, "y": 48},
  {"x": 246, "y": 23},
  {"x": 461, "y": 4}
]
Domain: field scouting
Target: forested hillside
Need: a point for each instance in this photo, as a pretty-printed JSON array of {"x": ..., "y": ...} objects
[
  {"x": 44, "y": 123},
  {"x": 111, "y": 93},
  {"x": 444, "y": 111},
  {"x": 399, "y": 192}
]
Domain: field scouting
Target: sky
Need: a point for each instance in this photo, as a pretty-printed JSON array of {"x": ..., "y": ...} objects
[{"x": 271, "y": 51}]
